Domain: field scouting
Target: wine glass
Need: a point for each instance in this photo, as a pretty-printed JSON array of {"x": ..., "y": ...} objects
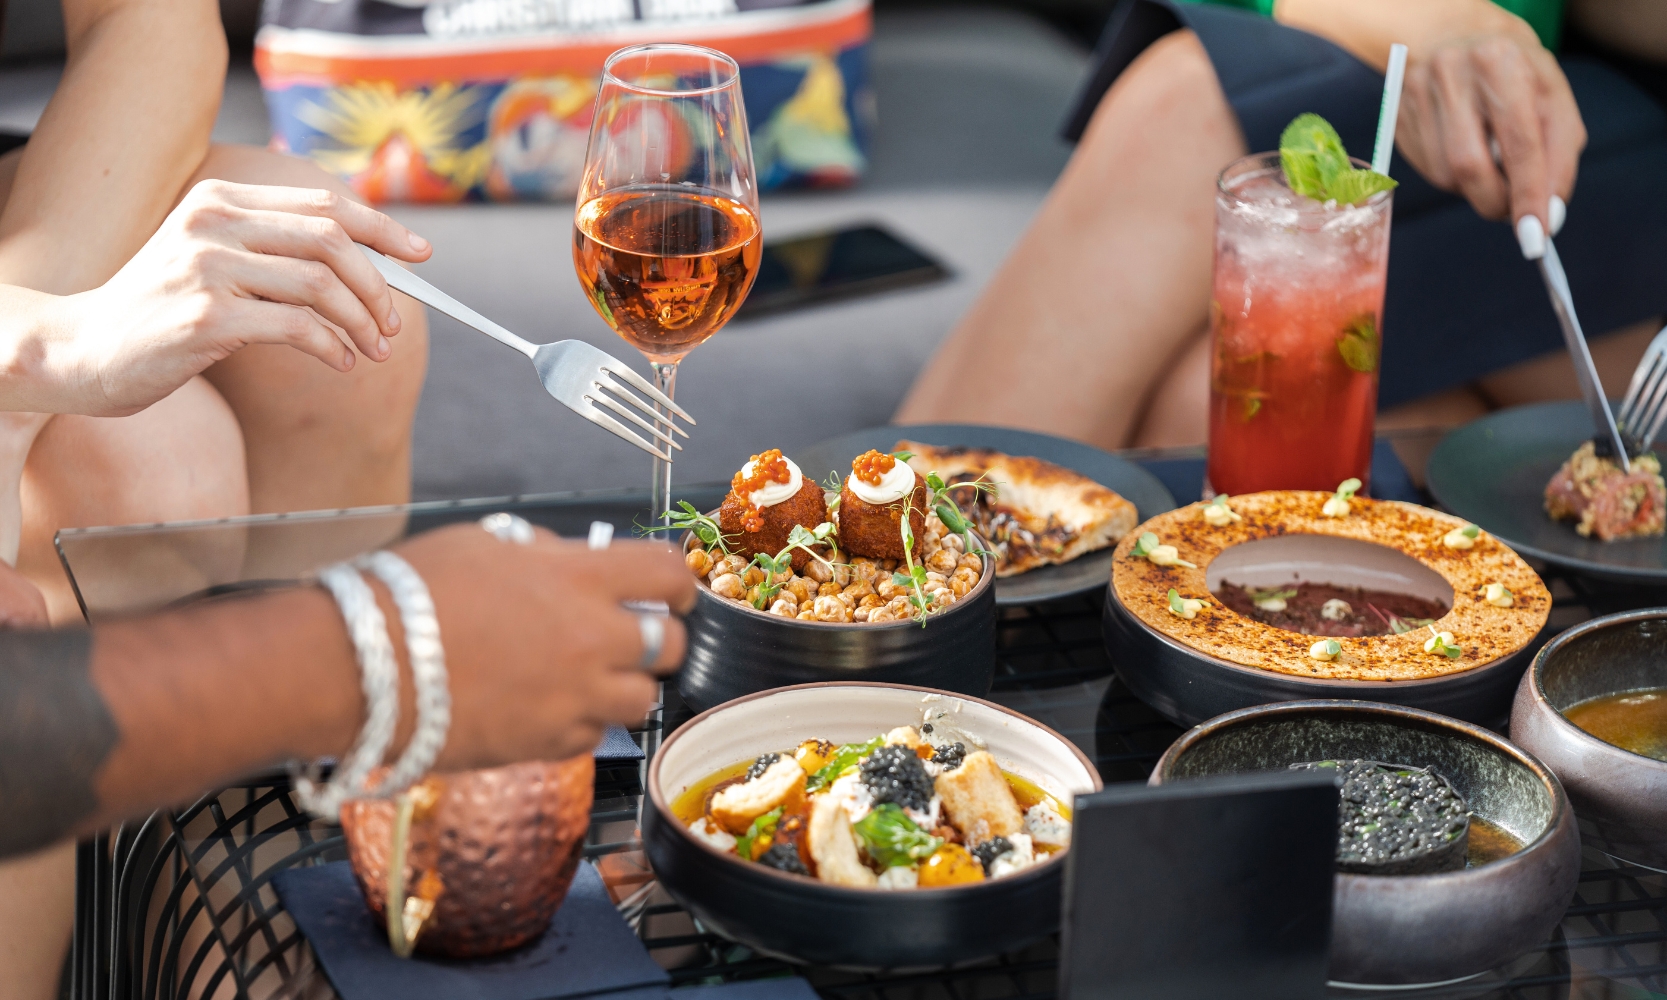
[{"x": 666, "y": 237}]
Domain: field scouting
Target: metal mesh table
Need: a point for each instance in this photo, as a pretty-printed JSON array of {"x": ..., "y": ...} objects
[{"x": 181, "y": 904}]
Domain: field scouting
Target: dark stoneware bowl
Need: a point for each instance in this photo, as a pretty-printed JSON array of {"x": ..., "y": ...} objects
[
  {"x": 1189, "y": 686},
  {"x": 1623, "y": 794},
  {"x": 1415, "y": 929},
  {"x": 735, "y": 650},
  {"x": 808, "y": 921}
]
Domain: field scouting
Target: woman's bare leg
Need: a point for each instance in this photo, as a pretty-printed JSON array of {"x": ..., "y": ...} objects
[
  {"x": 1112, "y": 280},
  {"x": 316, "y": 437}
]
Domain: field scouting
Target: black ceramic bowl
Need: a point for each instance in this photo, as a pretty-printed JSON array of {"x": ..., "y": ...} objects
[
  {"x": 1415, "y": 929},
  {"x": 805, "y": 920},
  {"x": 1189, "y": 686},
  {"x": 1623, "y": 794},
  {"x": 735, "y": 650}
]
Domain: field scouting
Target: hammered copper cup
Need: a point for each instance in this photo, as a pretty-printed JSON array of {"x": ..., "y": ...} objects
[{"x": 504, "y": 842}]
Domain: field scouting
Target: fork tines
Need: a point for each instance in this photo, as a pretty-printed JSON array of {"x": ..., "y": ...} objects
[{"x": 1644, "y": 410}]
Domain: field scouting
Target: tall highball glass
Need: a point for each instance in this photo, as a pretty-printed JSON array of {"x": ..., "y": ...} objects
[{"x": 666, "y": 237}]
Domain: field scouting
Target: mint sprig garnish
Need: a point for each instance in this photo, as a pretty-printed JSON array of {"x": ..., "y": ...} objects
[{"x": 1317, "y": 166}]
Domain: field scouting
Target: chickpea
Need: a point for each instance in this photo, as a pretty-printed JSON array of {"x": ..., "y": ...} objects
[
  {"x": 860, "y": 614},
  {"x": 954, "y": 542},
  {"x": 899, "y": 606},
  {"x": 888, "y": 588},
  {"x": 752, "y": 576},
  {"x": 846, "y": 599},
  {"x": 942, "y": 596},
  {"x": 972, "y": 562},
  {"x": 784, "y": 607},
  {"x": 699, "y": 561},
  {"x": 944, "y": 561},
  {"x": 819, "y": 571},
  {"x": 928, "y": 548},
  {"x": 960, "y": 588},
  {"x": 859, "y": 590},
  {"x": 871, "y": 601},
  {"x": 831, "y": 609},
  {"x": 864, "y": 569},
  {"x": 732, "y": 563},
  {"x": 780, "y": 579},
  {"x": 966, "y": 576},
  {"x": 935, "y": 526},
  {"x": 806, "y": 614},
  {"x": 935, "y": 580},
  {"x": 842, "y": 575},
  {"x": 888, "y": 565},
  {"x": 754, "y": 595},
  {"x": 878, "y": 616},
  {"x": 801, "y": 588},
  {"x": 729, "y": 585}
]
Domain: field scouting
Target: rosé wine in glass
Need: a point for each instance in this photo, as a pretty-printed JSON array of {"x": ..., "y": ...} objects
[{"x": 1295, "y": 330}]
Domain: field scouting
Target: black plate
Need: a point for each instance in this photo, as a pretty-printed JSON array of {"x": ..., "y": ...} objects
[
  {"x": 1081, "y": 575},
  {"x": 1493, "y": 472}
]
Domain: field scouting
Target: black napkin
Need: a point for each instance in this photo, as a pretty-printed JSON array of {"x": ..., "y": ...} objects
[{"x": 588, "y": 949}]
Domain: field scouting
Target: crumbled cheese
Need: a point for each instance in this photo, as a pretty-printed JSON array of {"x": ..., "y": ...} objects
[
  {"x": 1046, "y": 826},
  {"x": 900, "y": 877},
  {"x": 1496, "y": 595},
  {"x": 1325, "y": 650},
  {"x": 711, "y": 833},
  {"x": 1336, "y": 610},
  {"x": 857, "y": 797},
  {"x": 928, "y": 819},
  {"x": 1022, "y": 856}
]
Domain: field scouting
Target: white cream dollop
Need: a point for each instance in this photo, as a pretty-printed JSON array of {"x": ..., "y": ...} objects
[
  {"x": 895, "y": 484},
  {"x": 773, "y": 493}
]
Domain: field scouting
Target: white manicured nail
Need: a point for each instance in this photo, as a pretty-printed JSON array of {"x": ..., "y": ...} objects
[
  {"x": 1531, "y": 236},
  {"x": 1556, "y": 214}
]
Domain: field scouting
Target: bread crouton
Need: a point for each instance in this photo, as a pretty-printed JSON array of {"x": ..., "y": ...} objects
[
  {"x": 834, "y": 846},
  {"x": 907, "y": 736},
  {"x": 978, "y": 800},
  {"x": 736, "y": 806}
]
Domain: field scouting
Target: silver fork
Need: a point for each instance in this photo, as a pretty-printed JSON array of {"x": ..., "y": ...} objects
[
  {"x": 572, "y": 371},
  {"x": 1644, "y": 409}
]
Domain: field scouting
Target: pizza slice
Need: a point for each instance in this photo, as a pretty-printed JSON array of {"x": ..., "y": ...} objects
[{"x": 1041, "y": 514}]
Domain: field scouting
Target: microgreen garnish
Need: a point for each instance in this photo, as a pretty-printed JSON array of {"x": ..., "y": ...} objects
[
  {"x": 938, "y": 502},
  {"x": 689, "y": 519},
  {"x": 1470, "y": 531},
  {"x": 1317, "y": 165},
  {"x": 781, "y": 564},
  {"x": 1443, "y": 643},
  {"x": 1338, "y": 504},
  {"x": 1147, "y": 547},
  {"x": 902, "y": 456},
  {"x": 1272, "y": 595},
  {"x": 1184, "y": 607},
  {"x": 1358, "y": 344},
  {"x": 1325, "y": 649},
  {"x": 1217, "y": 513}
]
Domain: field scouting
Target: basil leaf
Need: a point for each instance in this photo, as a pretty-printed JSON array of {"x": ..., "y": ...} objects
[
  {"x": 763, "y": 826},
  {"x": 891, "y": 838}
]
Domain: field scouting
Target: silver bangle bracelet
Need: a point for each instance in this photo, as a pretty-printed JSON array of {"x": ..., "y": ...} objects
[
  {"x": 428, "y": 671},
  {"x": 379, "y": 677}
]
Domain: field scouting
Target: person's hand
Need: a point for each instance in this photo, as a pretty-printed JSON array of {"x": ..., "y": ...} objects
[
  {"x": 21, "y": 603},
  {"x": 1488, "y": 114},
  {"x": 540, "y": 653},
  {"x": 232, "y": 265}
]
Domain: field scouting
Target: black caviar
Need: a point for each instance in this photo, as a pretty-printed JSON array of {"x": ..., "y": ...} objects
[
  {"x": 761, "y": 765},
  {"x": 1394, "y": 820},
  {"x": 784, "y": 857},
  {"x": 950, "y": 755},
  {"x": 895, "y": 774},
  {"x": 990, "y": 850}
]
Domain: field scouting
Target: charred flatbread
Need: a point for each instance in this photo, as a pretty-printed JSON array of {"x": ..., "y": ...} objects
[{"x": 1041, "y": 514}]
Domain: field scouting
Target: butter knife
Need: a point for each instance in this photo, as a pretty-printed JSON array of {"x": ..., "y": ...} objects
[{"x": 1562, "y": 303}]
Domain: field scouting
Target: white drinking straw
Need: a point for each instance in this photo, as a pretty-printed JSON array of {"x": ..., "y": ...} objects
[{"x": 1390, "y": 109}]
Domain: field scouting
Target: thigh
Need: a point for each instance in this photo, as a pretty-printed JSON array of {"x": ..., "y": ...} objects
[
  {"x": 316, "y": 437},
  {"x": 180, "y": 459}
]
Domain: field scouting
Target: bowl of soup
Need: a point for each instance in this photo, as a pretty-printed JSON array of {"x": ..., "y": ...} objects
[{"x": 1593, "y": 707}]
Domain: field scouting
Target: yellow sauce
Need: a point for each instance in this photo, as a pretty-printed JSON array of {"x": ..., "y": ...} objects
[
  {"x": 1635, "y": 721},
  {"x": 691, "y": 804},
  {"x": 1488, "y": 842}
]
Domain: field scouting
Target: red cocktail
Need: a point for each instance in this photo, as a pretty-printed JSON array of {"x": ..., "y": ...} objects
[{"x": 1294, "y": 325}]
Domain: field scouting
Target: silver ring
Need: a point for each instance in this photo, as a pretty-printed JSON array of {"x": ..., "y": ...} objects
[
  {"x": 506, "y": 527},
  {"x": 653, "y": 629}
]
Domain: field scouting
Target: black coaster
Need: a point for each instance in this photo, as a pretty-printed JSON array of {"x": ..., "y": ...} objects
[
  {"x": 1201, "y": 889},
  {"x": 589, "y": 949}
]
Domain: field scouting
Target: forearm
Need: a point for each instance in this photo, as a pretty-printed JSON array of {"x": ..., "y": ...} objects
[
  {"x": 1367, "y": 28},
  {"x": 96, "y": 728},
  {"x": 125, "y": 130},
  {"x": 40, "y": 335}
]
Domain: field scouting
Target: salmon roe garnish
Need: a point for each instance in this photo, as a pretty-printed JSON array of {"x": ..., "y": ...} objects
[
  {"x": 769, "y": 467},
  {"x": 871, "y": 466}
]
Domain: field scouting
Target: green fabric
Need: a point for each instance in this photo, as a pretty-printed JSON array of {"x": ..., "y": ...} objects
[{"x": 1544, "y": 16}]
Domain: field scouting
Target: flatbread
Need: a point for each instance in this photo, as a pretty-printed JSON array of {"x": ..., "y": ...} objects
[{"x": 1043, "y": 514}]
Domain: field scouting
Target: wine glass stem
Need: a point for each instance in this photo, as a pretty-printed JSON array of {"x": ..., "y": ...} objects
[{"x": 665, "y": 379}]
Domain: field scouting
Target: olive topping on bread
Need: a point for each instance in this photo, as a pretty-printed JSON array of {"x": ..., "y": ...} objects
[
  {"x": 872, "y": 500},
  {"x": 766, "y": 500}
]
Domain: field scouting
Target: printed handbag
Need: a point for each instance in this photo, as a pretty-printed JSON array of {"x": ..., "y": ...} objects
[{"x": 491, "y": 99}]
